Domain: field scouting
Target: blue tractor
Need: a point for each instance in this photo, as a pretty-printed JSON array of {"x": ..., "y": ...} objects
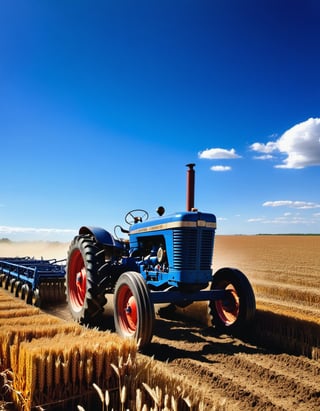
[{"x": 167, "y": 259}]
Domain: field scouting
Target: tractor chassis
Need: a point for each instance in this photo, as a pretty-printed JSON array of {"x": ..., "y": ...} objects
[{"x": 184, "y": 298}]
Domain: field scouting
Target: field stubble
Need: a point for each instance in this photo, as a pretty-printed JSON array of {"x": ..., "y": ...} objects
[{"x": 275, "y": 366}]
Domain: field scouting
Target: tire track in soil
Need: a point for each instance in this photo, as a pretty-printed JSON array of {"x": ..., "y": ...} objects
[{"x": 246, "y": 376}]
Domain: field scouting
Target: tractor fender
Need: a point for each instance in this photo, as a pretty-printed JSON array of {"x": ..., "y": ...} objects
[{"x": 101, "y": 235}]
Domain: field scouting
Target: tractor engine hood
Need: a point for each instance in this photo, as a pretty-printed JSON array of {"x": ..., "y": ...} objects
[{"x": 187, "y": 219}]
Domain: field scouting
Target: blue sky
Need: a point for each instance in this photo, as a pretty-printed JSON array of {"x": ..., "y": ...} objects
[{"x": 103, "y": 103}]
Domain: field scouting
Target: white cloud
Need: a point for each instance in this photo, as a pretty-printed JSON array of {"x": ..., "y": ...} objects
[
  {"x": 287, "y": 219},
  {"x": 218, "y": 154},
  {"x": 300, "y": 144},
  {"x": 264, "y": 157},
  {"x": 291, "y": 204},
  {"x": 264, "y": 148},
  {"x": 220, "y": 168},
  {"x": 256, "y": 220}
]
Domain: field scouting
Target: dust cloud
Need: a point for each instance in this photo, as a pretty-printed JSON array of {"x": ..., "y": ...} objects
[{"x": 38, "y": 250}]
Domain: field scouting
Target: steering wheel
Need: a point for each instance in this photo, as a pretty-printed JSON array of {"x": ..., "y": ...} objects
[{"x": 136, "y": 216}]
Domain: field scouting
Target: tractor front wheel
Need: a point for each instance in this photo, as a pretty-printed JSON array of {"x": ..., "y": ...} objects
[
  {"x": 235, "y": 312},
  {"x": 85, "y": 299},
  {"x": 133, "y": 309}
]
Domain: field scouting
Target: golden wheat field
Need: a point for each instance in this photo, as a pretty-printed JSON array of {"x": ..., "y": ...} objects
[{"x": 274, "y": 366}]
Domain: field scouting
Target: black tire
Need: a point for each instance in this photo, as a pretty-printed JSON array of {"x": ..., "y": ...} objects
[
  {"x": 236, "y": 313},
  {"x": 85, "y": 299},
  {"x": 133, "y": 309}
]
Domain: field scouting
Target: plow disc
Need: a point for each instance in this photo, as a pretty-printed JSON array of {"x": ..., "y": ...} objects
[
  {"x": 49, "y": 292},
  {"x": 52, "y": 292}
]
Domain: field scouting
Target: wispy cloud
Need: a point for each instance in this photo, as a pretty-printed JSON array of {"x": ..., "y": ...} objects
[
  {"x": 291, "y": 204},
  {"x": 220, "y": 168},
  {"x": 256, "y": 220},
  {"x": 264, "y": 157},
  {"x": 291, "y": 219},
  {"x": 300, "y": 145},
  {"x": 298, "y": 215},
  {"x": 218, "y": 154}
]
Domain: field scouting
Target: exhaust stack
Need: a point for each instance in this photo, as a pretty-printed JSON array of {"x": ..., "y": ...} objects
[{"x": 190, "y": 187}]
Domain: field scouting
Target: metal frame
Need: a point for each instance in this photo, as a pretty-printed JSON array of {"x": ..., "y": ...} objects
[{"x": 32, "y": 271}]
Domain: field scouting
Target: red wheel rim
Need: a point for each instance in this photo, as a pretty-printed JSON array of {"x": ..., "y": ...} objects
[
  {"x": 77, "y": 280},
  {"x": 228, "y": 309},
  {"x": 127, "y": 310}
]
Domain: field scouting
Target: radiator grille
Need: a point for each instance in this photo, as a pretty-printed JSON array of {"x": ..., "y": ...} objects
[
  {"x": 207, "y": 237},
  {"x": 192, "y": 248}
]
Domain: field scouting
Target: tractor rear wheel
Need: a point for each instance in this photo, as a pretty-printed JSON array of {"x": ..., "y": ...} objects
[
  {"x": 234, "y": 313},
  {"x": 85, "y": 299},
  {"x": 133, "y": 309}
]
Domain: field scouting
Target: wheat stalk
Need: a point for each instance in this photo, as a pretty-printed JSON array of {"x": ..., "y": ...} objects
[
  {"x": 89, "y": 371},
  {"x": 100, "y": 393},
  {"x": 107, "y": 399},
  {"x": 138, "y": 399},
  {"x": 174, "y": 404},
  {"x": 49, "y": 370},
  {"x": 187, "y": 401},
  {"x": 123, "y": 396},
  {"x": 57, "y": 371},
  {"x": 152, "y": 393}
]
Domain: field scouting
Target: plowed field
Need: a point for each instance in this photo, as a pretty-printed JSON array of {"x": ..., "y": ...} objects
[
  {"x": 274, "y": 367},
  {"x": 285, "y": 273}
]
